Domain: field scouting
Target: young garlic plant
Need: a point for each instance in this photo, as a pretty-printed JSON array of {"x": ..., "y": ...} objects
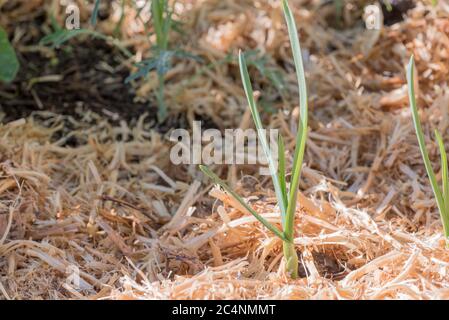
[
  {"x": 287, "y": 197},
  {"x": 441, "y": 195},
  {"x": 9, "y": 64}
]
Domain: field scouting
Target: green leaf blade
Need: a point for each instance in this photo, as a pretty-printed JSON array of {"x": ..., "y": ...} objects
[
  {"x": 282, "y": 173},
  {"x": 422, "y": 144},
  {"x": 301, "y": 137},
  {"x": 161, "y": 24},
  {"x": 61, "y": 36},
  {"x": 9, "y": 64},
  {"x": 262, "y": 138},
  {"x": 261, "y": 219},
  {"x": 444, "y": 174}
]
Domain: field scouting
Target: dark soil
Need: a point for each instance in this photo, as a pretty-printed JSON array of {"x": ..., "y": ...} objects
[
  {"x": 91, "y": 78},
  {"x": 399, "y": 8},
  {"x": 327, "y": 265}
]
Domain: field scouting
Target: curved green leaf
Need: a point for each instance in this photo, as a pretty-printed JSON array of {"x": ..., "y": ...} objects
[
  {"x": 444, "y": 173},
  {"x": 301, "y": 137},
  {"x": 222, "y": 184}
]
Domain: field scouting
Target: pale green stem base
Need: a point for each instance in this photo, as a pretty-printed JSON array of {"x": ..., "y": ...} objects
[{"x": 291, "y": 259}]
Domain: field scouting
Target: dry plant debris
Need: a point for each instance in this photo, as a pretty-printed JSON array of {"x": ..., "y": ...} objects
[{"x": 138, "y": 227}]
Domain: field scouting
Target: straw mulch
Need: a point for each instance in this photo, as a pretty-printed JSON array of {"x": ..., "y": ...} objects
[{"x": 138, "y": 227}]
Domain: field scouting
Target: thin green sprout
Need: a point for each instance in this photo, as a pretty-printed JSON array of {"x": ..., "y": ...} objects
[{"x": 287, "y": 199}]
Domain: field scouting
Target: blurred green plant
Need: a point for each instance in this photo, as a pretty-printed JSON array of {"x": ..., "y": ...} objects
[
  {"x": 9, "y": 64},
  {"x": 388, "y": 5},
  {"x": 441, "y": 195},
  {"x": 261, "y": 62},
  {"x": 162, "y": 57},
  {"x": 161, "y": 62},
  {"x": 93, "y": 18},
  {"x": 287, "y": 198}
]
